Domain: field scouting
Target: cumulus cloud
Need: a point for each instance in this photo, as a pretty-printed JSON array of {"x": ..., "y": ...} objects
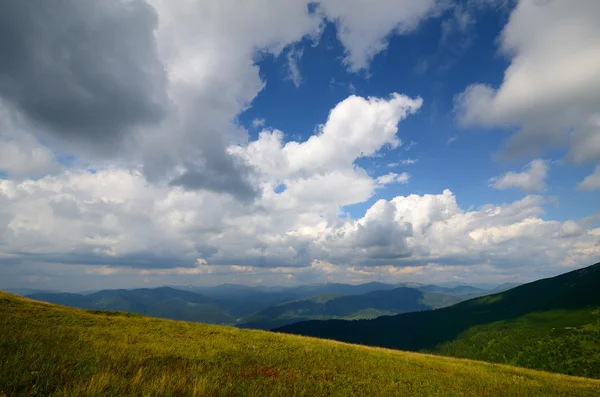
[
  {"x": 592, "y": 181},
  {"x": 114, "y": 219},
  {"x": 531, "y": 179},
  {"x": 433, "y": 229},
  {"x": 356, "y": 127},
  {"x": 393, "y": 178},
  {"x": 551, "y": 88},
  {"x": 364, "y": 27}
]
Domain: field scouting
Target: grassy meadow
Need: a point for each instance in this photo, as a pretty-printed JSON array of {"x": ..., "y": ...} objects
[{"x": 49, "y": 350}]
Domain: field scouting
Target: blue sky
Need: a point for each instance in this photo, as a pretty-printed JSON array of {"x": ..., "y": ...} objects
[{"x": 226, "y": 147}]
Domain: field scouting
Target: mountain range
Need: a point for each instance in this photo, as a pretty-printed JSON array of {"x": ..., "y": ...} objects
[
  {"x": 369, "y": 305},
  {"x": 267, "y": 307}
]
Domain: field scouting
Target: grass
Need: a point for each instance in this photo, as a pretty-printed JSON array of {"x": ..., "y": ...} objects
[{"x": 53, "y": 350}]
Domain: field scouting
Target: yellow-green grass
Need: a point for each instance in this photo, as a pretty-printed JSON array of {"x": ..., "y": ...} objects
[{"x": 53, "y": 350}]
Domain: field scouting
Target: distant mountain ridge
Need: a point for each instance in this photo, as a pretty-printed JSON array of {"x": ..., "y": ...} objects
[
  {"x": 234, "y": 304},
  {"x": 369, "y": 305},
  {"x": 162, "y": 302}
]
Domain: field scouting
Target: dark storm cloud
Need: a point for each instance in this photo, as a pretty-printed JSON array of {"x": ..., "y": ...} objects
[
  {"x": 219, "y": 172},
  {"x": 85, "y": 70}
]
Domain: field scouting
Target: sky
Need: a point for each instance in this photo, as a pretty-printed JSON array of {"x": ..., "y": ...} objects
[{"x": 268, "y": 142}]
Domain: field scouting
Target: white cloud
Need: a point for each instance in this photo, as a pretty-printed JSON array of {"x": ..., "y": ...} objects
[
  {"x": 258, "y": 123},
  {"x": 417, "y": 230},
  {"x": 393, "y": 178},
  {"x": 531, "y": 179},
  {"x": 113, "y": 219},
  {"x": 356, "y": 127},
  {"x": 365, "y": 27},
  {"x": 592, "y": 181},
  {"x": 402, "y": 162},
  {"x": 26, "y": 158},
  {"x": 293, "y": 57},
  {"x": 552, "y": 86}
]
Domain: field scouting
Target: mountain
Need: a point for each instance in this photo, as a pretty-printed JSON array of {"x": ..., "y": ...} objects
[
  {"x": 551, "y": 324},
  {"x": 53, "y": 350},
  {"x": 227, "y": 303},
  {"x": 369, "y": 305},
  {"x": 162, "y": 302},
  {"x": 222, "y": 304},
  {"x": 460, "y": 290},
  {"x": 241, "y": 301},
  {"x": 28, "y": 291}
]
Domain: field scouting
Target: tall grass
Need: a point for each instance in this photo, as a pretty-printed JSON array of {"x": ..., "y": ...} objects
[{"x": 52, "y": 350}]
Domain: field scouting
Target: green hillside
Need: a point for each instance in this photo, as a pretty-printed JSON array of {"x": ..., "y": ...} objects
[
  {"x": 48, "y": 350},
  {"x": 551, "y": 324},
  {"x": 370, "y": 305}
]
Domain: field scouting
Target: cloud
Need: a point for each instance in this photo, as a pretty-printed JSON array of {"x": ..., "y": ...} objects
[
  {"x": 393, "y": 178},
  {"x": 457, "y": 31},
  {"x": 25, "y": 158},
  {"x": 114, "y": 216},
  {"x": 592, "y": 181},
  {"x": 410, "y": 145},
  {"x": 164, "y": 97},
  {"x": 357, "y": 127},
  {"x": 21, "y": 155},
  {"x": 532, "y": 179},
  {"x": 402, "y": 162},
  {"x": 86, "y": 72},
  {"x": 551, "y": 90},
  {"x": 114, "y": 219},
  {"x": 364, "y": 27},
  {"x": 258, "y": 123},
  {"x": 293, "y": 57},
  {"x": 433, "y": 229}
]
